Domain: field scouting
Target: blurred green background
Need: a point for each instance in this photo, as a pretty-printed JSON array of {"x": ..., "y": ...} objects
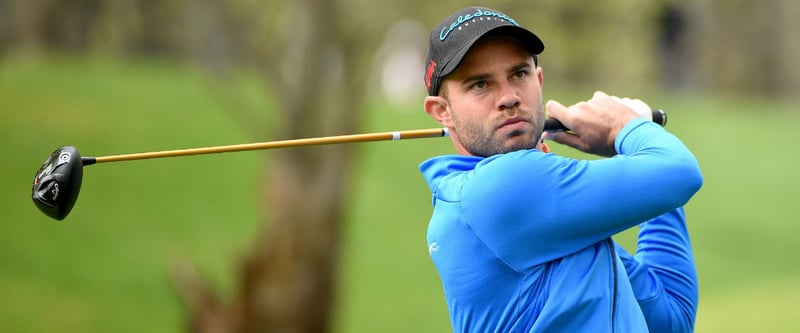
[{"x": 107, "y": 266}]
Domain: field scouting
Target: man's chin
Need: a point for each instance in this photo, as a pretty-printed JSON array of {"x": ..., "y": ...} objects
[
  {"x": 519, "y": 133},
  {"x": 519, "y": 142}
]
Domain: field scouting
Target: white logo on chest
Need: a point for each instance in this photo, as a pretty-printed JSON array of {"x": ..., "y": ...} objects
[{"x": 433, "y": 248}]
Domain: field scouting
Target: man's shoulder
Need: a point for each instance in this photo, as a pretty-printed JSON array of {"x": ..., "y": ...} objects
[{"x": 447, "y": 164}]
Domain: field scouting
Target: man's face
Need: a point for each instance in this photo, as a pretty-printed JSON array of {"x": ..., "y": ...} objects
[{"x": 495, "y": 99}]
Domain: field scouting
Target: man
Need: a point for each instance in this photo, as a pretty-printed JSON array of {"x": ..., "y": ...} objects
[{"x": 521, "y": 238}]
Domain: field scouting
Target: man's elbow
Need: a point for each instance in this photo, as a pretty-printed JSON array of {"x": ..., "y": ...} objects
[
  {"x": 693, "y": 177},
  {"x": 689, "y": 179}
]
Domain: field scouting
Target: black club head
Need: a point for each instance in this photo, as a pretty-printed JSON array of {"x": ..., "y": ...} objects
[{"x": 58, "y": 182}]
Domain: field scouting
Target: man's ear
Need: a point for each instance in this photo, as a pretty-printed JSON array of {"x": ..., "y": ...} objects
[
  {"x": 540, "y": 76},
  {"x": 439, "y": 109}
]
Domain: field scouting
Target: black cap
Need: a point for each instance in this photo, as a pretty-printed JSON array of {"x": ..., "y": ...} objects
[{"x": 455, "y": 35}]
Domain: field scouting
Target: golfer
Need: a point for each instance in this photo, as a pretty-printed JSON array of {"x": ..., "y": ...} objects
[{"x": 521, "y": 238}]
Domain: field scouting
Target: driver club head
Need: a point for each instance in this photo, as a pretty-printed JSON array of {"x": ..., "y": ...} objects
[{"x": 58, "y": 182}]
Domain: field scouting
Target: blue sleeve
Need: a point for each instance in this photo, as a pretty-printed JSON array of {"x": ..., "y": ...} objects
[
  {"x": 663, "y": 274},
  {"x": 530, "y": 207}
]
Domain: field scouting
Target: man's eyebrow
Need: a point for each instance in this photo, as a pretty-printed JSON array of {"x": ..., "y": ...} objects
[
  {"x": 486, "y": 76},
  {"x": 476, "y": 78},
  {"x": 523, "y": 65}
]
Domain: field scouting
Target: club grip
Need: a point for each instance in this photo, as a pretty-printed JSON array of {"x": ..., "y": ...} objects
[{"x": 553, "y": 125}]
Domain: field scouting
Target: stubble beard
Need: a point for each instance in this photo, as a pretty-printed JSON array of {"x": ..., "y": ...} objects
[{"x": 480, "y": 140}]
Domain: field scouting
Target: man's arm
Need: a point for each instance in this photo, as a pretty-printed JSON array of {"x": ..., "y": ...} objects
[
  {"x": 663, "y": 274},
  {"x": 531, "y": 207}
]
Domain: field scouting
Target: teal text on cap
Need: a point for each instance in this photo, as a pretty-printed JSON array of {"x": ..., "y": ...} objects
[{"x": 464, "y": 18}]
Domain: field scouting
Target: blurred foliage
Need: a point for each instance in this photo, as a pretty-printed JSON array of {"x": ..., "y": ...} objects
[
  {"x": 314, "y": 62},
  {"x": 707, "y": 45}
]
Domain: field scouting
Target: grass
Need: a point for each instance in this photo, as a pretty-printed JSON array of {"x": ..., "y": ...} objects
[{"x": 105, "y": 268}]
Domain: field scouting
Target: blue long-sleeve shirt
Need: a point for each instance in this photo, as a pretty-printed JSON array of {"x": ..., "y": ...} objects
[
  {"x": 662, "y": 273},
  {"x": 522, "y": 242}
]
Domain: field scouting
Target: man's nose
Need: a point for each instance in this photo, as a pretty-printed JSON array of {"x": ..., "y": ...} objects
[{"x": 508, "y": 98}]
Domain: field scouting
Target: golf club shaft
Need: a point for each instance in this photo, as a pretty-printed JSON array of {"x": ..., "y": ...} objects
[
  {"x": 550, "y": 125},
  {"x": 382, "y": 136}
]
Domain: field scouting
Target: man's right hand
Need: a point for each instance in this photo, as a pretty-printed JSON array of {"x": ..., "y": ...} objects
[{"x": 593, "y": 124}]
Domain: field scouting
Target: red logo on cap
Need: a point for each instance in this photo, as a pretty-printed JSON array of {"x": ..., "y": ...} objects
[{"x": 429, "y": 74}]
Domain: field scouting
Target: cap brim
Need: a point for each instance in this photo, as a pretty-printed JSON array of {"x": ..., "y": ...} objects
[{"x": 526, "y": 39}]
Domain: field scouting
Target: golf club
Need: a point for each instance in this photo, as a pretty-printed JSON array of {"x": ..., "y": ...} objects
[{"x": 57, "y": 183}]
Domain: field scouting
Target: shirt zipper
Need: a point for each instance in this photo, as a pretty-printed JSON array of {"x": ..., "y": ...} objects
[{"x": 613, "y": 253}]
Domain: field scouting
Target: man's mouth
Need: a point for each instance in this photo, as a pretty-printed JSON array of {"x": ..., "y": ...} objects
[{"x": 515, "y": 122}]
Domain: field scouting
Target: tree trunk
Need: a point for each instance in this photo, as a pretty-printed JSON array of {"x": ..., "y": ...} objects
[{"x": 287, "y": 280}]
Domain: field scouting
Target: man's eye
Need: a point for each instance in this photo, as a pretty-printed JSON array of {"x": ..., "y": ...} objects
[
  {"x": 520, "y": 74},
  {"x": 479, "y": 85}
]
